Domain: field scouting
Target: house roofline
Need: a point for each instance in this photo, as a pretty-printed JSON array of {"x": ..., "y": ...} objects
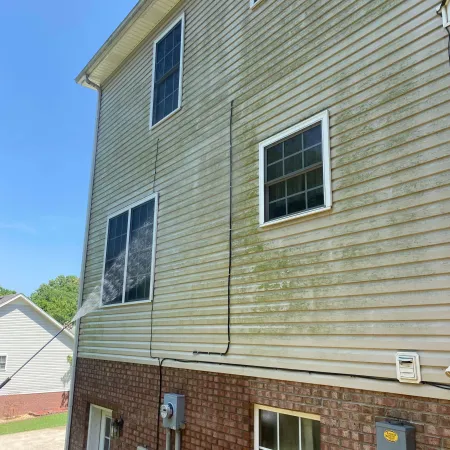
[
  {"x": 137, "y": 25},
  {"x": 40, "y": 310}
]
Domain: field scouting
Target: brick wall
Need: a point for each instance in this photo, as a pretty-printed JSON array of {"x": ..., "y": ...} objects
[
  {"x": 38, "y": 404},
  {"x": 219, "y": 408}
]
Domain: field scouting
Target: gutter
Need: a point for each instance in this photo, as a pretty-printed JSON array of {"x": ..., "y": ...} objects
[
  {"x": 89, "y": 83},
  {"x": 117, "y": 34}
]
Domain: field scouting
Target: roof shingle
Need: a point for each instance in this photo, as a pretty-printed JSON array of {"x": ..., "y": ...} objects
[{"x": 7, "y": 298}]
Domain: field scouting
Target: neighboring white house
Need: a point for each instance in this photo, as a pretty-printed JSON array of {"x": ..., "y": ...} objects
[{"x": 42, "y": 386}]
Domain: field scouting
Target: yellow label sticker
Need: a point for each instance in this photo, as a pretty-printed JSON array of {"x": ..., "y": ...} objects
[{"x": 391, "y": 436}]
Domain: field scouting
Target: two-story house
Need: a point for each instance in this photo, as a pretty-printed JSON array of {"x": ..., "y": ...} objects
[{"x": 268, "y": 230}]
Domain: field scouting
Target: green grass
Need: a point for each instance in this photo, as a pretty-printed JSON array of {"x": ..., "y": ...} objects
[{"x": 40, "y": 423}]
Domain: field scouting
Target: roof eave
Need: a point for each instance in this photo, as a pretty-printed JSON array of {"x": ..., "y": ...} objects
[{"x": 122, "y": 42}]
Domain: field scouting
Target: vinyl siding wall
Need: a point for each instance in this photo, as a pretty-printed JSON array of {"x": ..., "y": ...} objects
[
  {"x": 337, "y": 292},
  {"x": 23, "y": 331}
]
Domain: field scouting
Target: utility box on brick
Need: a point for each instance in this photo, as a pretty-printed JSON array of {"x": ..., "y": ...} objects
[
  {"x": 395, "y": 436},
  {"x": 172, "y": 411}
]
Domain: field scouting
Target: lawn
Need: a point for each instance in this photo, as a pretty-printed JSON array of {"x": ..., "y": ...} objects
[{"x": 39, "y": 423}]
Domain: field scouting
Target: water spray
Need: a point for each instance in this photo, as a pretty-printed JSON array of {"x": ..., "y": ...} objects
[{"x": 67, "y": 326}]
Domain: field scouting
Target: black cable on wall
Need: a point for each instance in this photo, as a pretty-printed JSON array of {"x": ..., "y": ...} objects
[{"x": 230, "y": 230}]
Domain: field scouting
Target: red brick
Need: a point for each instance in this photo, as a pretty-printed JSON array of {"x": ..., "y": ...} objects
[{"x": 219, "y": 408}]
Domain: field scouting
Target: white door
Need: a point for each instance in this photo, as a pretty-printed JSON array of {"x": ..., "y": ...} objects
[
  {"x": 105, "y": 433},
  {"x": 99, "y": 435}
]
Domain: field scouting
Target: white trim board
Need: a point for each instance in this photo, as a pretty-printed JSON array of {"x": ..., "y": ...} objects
[
  {"x": 323, "y": 118},
  {"x": 345, "y": 381}
]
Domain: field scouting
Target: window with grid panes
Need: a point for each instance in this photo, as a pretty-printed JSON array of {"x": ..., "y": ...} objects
[
  {"x": 3, "y": 362},
  {"x": 129, "y": 260},
  {"x": 167, "y": 73},
  {"x": 295, "y": 168},
  {"x": 283, "y": 431}
]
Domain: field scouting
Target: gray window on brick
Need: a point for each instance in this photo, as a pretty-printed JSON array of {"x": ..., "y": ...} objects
[
  {"x": 283, "y": 431},
  {"x": 167, "y": 73}
]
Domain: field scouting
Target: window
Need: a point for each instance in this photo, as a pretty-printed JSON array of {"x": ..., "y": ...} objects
[
  {"x": 277, "y": 429},
  {"x": 99, "y": 432},
  {"x": 130, "y": 254},
  {"x": 254, "y": 3},
  {"x": 3, "y": 359},
  {"x": 167, "y": 72},
  {"x": 294, "y": 172}
]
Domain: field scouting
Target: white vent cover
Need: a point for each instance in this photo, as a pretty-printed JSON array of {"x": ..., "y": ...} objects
[{"x": 408, "y": 367}]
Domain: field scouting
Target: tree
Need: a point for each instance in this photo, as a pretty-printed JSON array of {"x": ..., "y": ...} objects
[
  {"x": 4, "y": 291},
  {"x": 58, "y": 297}
]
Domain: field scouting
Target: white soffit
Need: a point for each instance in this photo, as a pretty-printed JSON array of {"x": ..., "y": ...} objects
[{"x": 139, "y": 23}]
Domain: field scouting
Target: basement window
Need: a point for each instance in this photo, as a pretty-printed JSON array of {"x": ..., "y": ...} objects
[
  {"x": 130, "y": 254},
  {"x": 99, "y": 432},
  {"x": 278, "y": 429},
  {"x": 167, "y": 72},
  {"x": 294, "y": 172},
  {"x": 3, "y": 359}
]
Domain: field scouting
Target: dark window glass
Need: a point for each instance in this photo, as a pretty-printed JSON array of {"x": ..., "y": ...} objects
[
  {"x": 315, "y": 198},
  {"x": 274, "y": 153},
  {"x": 312, "y": 136},
  {"x": 115, "y": 259},
  {"x": 294, "y": 174},
  {"x": 293, "y": 145},
  {"x": 293, "y": 163},
  {"x": 295, "y": 184},
  {"x": 167, "y": 74},
  {"x": 140, "y": 244},
  {"x": 274, "y": 171},
  {"x": 277, "y": 209},
  {"x": 310, "y": 434},
  {"x": 268, "y": 429},
  {"x": 296, "y": 203},
  {"x": 277, "y": 191},
  {"x": 289, "y": 432},
  {"x": 139, "y": 235},
  {"x": 314, "y": 178}
]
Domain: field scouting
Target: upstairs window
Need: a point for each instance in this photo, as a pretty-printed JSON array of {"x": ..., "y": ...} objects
[
  {"x": 130, "y": 254},
  {"x": 3, "y": 359},
  {"x": 295, "y": 171},
  {"x": 167, "y": 72},
  {"x": 277, "y": 429}
]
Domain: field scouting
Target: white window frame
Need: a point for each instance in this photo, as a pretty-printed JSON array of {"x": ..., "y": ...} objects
[
  {"x": 6, "y": 362},
  {"x": 180, "y": 86},
  {"x": 300, "y": 415},
  {"x": 322, "y": 117},
  {"x": 154, "y": 196},
  {"x": 255, "y": 3},
  {"x": 98, "y": 442}
]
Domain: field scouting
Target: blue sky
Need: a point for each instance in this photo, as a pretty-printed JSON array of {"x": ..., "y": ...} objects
[{"x": 46, "y": 134}]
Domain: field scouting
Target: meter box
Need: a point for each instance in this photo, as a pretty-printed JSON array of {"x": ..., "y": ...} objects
[
  {"x": 172, "y": 411},
  {"x": 393, "y": 435}
]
